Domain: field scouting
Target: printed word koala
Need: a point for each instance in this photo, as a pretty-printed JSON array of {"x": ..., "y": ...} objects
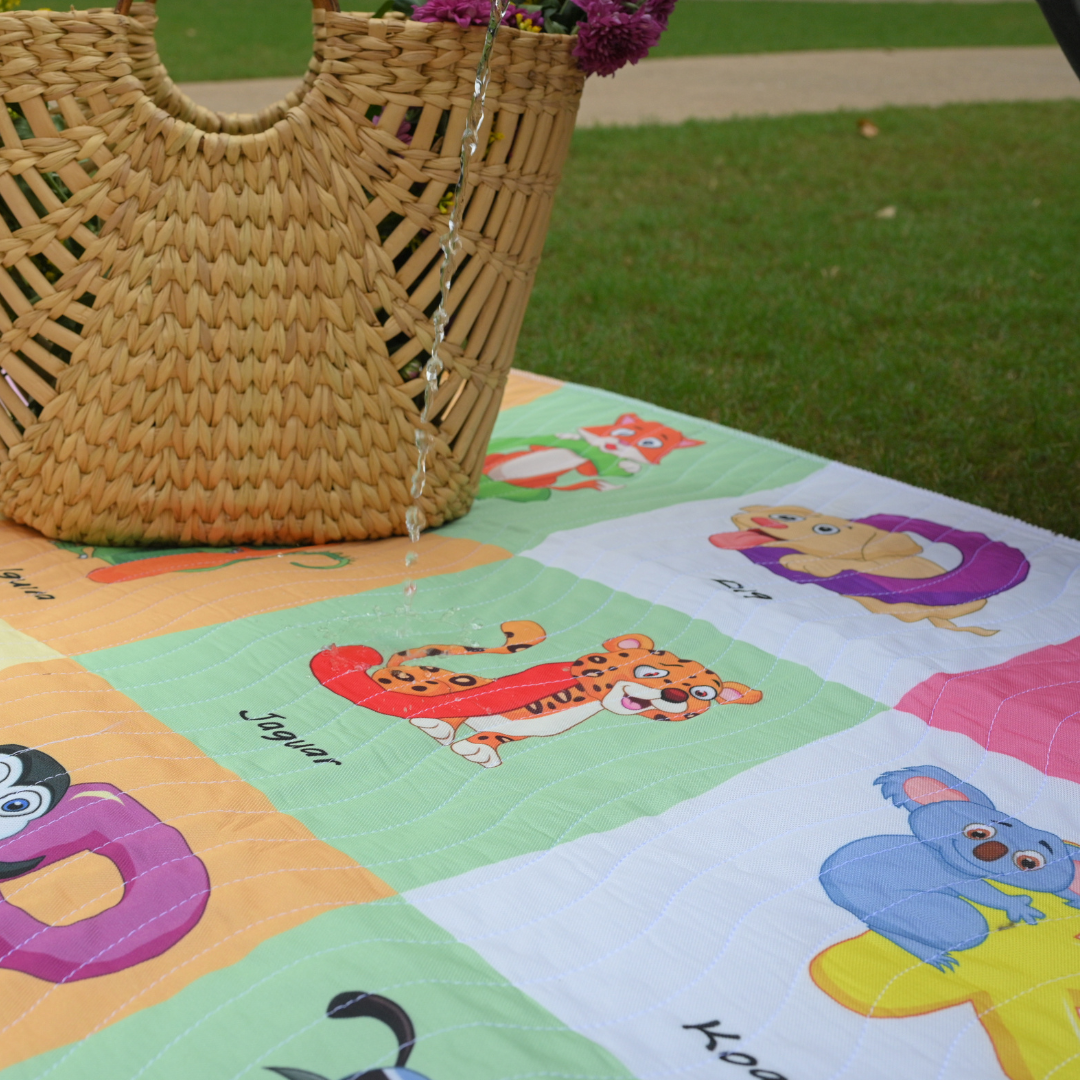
[
  {"x": 874, "y": 561},
  {"x": 914, "y": 888},
  {"x": 628, "y": 676}
]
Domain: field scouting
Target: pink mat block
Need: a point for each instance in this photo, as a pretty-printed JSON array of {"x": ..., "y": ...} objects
[{"x": 1028, "y": 707}]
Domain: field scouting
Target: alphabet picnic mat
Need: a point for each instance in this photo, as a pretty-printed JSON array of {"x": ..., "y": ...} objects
[{"x": 694, "y": 756}]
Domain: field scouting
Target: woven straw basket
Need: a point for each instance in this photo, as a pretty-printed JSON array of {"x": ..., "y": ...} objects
[{"x": 212, "y": 327}]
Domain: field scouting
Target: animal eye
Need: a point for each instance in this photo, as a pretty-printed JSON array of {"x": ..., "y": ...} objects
[
  {"x": 24, "y": 803},
  {"x": 826, "y": 530},
  {"x": 623, "y": 431},
  {"x": 644, "y": 671},
  {"x": 1029, "y": 860},
  {"x": 979, "y": 832},
  {"x": 650, "y": 443},
  {"x": 786, "y": 517},
  {"x": 704, "y": 693}
]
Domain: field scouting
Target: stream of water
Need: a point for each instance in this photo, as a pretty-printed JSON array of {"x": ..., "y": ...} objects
[{"x": 451, "y": 246}]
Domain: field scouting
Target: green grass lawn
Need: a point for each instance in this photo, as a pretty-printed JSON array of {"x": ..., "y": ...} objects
[
  {"x": 234, "y": 39},
  {"x": 738, "y": 271},
  {"x": 707, "y": 27},
  {"x": 238, "y": 39}
]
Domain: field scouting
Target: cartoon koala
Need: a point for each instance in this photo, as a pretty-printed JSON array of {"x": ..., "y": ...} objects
[{"x": 914, "y": 889}]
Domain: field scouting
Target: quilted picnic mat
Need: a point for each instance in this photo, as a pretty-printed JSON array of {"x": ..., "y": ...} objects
[{"x": 695, "y": 756}]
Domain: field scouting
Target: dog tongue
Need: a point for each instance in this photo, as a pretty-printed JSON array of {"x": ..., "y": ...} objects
[{"x": 738, "y": 541}]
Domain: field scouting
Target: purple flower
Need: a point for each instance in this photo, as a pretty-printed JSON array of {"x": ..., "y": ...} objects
[
  {"x": 610, "y": 36},
  {"x": 462, "y": 12},
  {"x": 404, "y": 131},
  {"x": 660, "y": 10},
  {"x": 523, "y": 20},
  {"x": 477, "y": 13}
]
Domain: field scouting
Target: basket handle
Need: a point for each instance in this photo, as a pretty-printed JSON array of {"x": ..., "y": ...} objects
[{"x": 123, "y": 7}]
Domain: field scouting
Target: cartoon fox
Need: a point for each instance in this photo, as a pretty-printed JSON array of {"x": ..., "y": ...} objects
[{"x": 529, "y": 470}]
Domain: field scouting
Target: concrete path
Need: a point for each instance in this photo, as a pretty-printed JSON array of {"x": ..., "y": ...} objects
[{"x": 670, "y": 91}]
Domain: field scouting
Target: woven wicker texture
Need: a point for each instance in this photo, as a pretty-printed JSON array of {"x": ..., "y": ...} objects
[{"x": 212, "y": 327}]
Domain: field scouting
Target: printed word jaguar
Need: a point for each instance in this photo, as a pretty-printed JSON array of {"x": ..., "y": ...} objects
[{"x": 277, "y": 733}]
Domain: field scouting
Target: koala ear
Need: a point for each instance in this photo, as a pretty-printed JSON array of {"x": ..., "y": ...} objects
[
  {"x": 922, "y": 785},
  {"x": 628, "y": 641}
]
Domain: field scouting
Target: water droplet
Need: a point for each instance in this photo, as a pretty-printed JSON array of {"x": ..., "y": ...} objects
[{"x": 451, "y": 244}]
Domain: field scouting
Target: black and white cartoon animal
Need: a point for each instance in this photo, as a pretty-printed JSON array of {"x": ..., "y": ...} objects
[
  {"x": 914, "y": 888},
  {"x": 358, "y": 1003},
  {"x": 31, "y": 784}
]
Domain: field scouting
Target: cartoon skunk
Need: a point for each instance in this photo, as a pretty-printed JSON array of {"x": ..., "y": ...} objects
[{"x": 354, "y": 1003}]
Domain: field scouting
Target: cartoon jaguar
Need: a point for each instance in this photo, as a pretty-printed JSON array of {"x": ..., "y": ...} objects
[{"x": 628, "y": 676}]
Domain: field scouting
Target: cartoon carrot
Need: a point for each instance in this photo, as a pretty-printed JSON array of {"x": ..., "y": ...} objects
[{"x": 198, "y": 560}]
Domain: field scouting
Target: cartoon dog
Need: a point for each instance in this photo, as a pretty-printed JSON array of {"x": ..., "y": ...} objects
[
  {"x": 629, "y": 677},
  {"x": 353, "y": 1004},
  {"x": 914, "y": 890},
  {"x": 873, "y": 561}
]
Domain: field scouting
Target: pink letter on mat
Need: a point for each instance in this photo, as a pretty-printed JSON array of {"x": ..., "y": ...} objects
[{"x": 1028, "y": 707}]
